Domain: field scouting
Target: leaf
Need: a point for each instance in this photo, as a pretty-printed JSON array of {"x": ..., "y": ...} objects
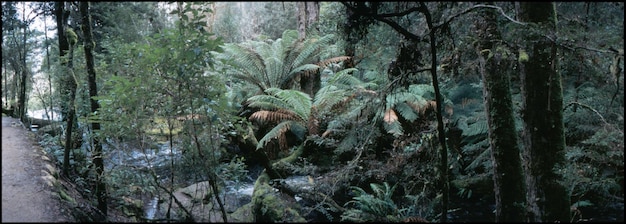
[{"x": 390, "y": 116}]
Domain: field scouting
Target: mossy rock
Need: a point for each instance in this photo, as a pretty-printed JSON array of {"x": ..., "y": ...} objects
[
  {"x": 242, "y": 214},
  {"x": 271, "y": 206}
]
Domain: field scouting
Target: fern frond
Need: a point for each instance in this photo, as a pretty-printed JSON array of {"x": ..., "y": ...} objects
[
  {"x": 272, "y": 116},
  {"x": 479, "y": 127},
  {"x": 296, "y": 101},
  {"x": 390, "y": 116},
  {"x": 327, "y": 62},
  {"x": 328, "y": 97},
  {"x": 276, "y": 133},
  {"x": 407, "y": 112},
  {"x": 394, "y": 128},
  {"x": 267, "y": 102},
  {"x": 311, "y": 49}
]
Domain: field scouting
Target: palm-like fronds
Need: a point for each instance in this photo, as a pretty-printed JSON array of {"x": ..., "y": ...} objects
[
  {"x": 409, "y": 104},
  {"x": 278, "y": 63},
  {"x": 375, "y": 207},
  {"x": 285, "y": 107}
]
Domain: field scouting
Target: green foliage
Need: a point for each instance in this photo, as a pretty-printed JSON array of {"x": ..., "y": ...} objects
[
  {"x": 595, "y": 168},
  {"x": 72, "y": 38},
  {"x": 286, "y": 108},
  {"x": 409, "y": 104},
  {"x": 377, "y": 206},
  {"x": 278, "y": 63}
]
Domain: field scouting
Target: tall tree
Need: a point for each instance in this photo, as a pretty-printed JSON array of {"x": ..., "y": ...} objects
[
  {"x": 67, "y": 41},
  {"x": 10, "y": 25},
  {"x": 507, "y": 166},
  {"x": 20, "y": 65},
  {"x": 308, "y": 15},
  {"x": 88, "y": 44},
  {"x": 543, "y": 113}
]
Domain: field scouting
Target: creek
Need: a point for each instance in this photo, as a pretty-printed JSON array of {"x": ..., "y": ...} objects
[{"x": 158, "y": 158}]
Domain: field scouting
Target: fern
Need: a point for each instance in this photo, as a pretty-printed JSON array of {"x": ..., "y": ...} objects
[
  {"x": 409, "y": 104},
  {"x": 288, "y": 108},
  {"x": 376, "y": 207}
]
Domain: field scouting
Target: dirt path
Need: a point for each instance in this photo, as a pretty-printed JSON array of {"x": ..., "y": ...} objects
[{"x": 26, "y": 181}]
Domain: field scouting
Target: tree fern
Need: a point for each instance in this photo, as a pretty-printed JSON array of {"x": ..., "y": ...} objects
[
  {"x": 278, "y": 63},
  {"x": 409, "y": 104},
  {"x": 286, "y": 107},
  {"x": 375, "y": 207}
]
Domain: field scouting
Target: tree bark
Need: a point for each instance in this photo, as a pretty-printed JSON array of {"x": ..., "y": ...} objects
[
  {"x": 21, "y": 100},
  {"x": 88, "y": 44},
  {"x": 508, "y": 175},
  {"x": 308, "y": 14},
  {"x": 543, "y": 114},
  {"x": 67, "y": 84}
]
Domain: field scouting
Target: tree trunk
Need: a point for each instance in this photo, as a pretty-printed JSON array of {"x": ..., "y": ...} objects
[
  {"x": 308, "y": 14},
  {"x": 88, "y": 44},
  {"x": 68, "y": 83},
  {"x": 543, "y": 115},
  {"x": 21, "y": 99},
  {"x": 443, "y": 149},
  {"x": 508, "y": 175}
]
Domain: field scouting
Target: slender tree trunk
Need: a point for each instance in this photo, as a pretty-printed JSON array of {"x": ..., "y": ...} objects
[
  {"x": 443, "y": 150},
  {"x": 543, "y": 114},
  {"x": 508, "y": 175},
  {"x": 21, "y": 102},
  {"x": 50, "y": 97},
  {"x": 88, "y": 44},
  {"x": 67, "y": 84}
]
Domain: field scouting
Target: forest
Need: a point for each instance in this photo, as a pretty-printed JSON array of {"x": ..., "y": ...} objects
[{"x": 344, "y": 111}]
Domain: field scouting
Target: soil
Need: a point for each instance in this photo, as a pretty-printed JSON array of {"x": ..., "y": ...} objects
[{"x": 28, "y": 194}]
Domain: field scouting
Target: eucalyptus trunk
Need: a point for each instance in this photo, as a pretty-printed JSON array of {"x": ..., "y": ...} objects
[
  {"x": 21, "y": 99},
  {"x": 88, "y": 44},
  {"x": 508, "y": 177},
  {"x": 308, "y": 14},
  {"x": 543, "y": 114}
]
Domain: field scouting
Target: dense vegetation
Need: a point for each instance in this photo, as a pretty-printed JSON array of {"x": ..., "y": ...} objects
[{"x": 388, "y": 111}]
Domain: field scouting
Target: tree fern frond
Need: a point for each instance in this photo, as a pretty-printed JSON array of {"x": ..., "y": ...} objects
[
  {"x": 303, "y": 68},
  {"x": 328, "y": 97},
  {"x": 246, "y": 58},
  {"x": 407, "y": 112},
  {"x": 272, "y": 116},
  {"x": 390, "y": 116},
  {"x": 310, "y": 50},
  {"x": 277, "y": 132},
  {"x": 267, "y": 102},
  {"x": 334, "y": 60},
  {"x": 394, "y": 128},
  {"x": 479, "y": 127},
  {"x": 344, "y": 79},
  {"x": 296, "y": 101}
]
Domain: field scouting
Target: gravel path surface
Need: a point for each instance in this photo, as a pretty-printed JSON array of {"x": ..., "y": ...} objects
[{"x": 27, "y": 194}]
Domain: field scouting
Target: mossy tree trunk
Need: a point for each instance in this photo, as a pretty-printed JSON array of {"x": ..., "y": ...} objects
[
  {"x": 543, "y": 114},
  {"x": 508, "y": 178},
  {"x": 88, "y": 44},
  {"x": 68, "y": 83}
]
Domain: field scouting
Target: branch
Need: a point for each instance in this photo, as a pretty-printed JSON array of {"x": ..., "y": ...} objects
[
  {"x": 588, "y": 107},
  {"x": 383, "y": 18},
  {"x": 475, "y": 7}
]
